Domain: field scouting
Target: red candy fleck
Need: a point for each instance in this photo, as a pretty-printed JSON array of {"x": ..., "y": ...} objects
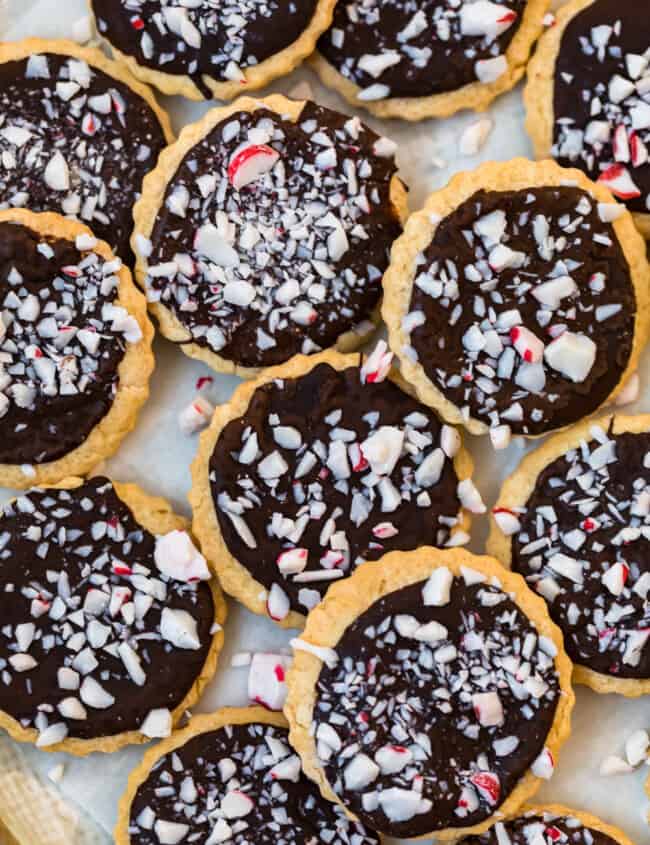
[{"x": 137, "y": 23}]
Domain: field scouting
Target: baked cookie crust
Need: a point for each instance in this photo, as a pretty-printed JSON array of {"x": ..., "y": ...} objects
[
  {"x": 153, "y": 192},
  {"x": 155, "y": 514},
  {"x": 419, "y": 231},
  {"x": 134, "y": 370},
  {"x": 539, "y": 90},
  {"x": 235, "y": 579},
  {"x": 256, "y": 76},
  {"x": 476, "y": 96},
  {"x": 516, "y": 491},
  {"x": 348, "y": 599}
]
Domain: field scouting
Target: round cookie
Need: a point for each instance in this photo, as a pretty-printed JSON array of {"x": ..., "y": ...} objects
[
  {"x": 207, "y": 50},
  {"x": 546, "y": 825},
  {"x": 110, "y": 631},
  {"x": 429, "y": 693},
  {"x": 573, "y": 519},
  {"x": 77, "y": 134},
  {"x": 247, "y": 778},
  {"x": 76, "y": 349},
  {"x": 587, "y": 97},
  {"x": 415, "y": 61},
  {"x": 517, "y": 299},
  {"x": 316, "y": 466},
  {"x": 265, "y": 231}
]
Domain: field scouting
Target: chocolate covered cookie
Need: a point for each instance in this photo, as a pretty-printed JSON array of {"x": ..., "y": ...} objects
[
  {"x": 574, "y": 520},
  {"x": 76, "y": 349},
  {"x": 517, "y": 299},
  {"x": 231, "y": 776},
  {"x": 428, "y": 59},
  {"x": 77, "y": 134},
  {"x": 207, "y": 49},
  {"x": 265, "y": 232},
  {"x": 110, "y": 630},
  {"x": 548, "y": 825},
  {"x": 588, "y": 97},
  {"x": 429, "y": 693},
  {"x": 316, "y": 467}
]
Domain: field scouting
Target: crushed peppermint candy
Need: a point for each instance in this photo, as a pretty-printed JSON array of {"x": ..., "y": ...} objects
[
  {"x": 581, "y": 541},
  {"x": 527, "y": 309},
  {"x": 435, "y": 709},
  {"x": 544, "y": 827},
  {"x": 237, "y": 784},
  {"x": 95, "y": 639}
]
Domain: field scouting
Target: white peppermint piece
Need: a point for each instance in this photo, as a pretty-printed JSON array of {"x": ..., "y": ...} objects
[{"x": 177, "y": 557}]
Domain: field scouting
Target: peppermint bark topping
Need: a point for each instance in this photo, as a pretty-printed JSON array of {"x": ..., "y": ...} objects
[
  {"x": 439, "y": 702},
  {"x": 396, "y": 49},
  {"x": 62, "y": 339},
  {"x": 582, "y": 543},
  {"x": 76, "y": 141},
  {"x": 96, "y": 640},
  {"x": 541, "y": 828},
  {"x": 238, "y": 784},
  {"x": 602, "y": 99},
  {"x": 323, "y": 472},
  {"x": 274, "y": 235},
  {"x": 525, "y": 309}
]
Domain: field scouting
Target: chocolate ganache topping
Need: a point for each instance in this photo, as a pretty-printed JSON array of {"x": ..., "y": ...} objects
[
  {"x": 535, "y": 828},
  {"x": 393, "y": 48},
  {"x": 327, "y": 470},
  {"x": 219, "y": 40},
  {"x": 63, "y": 339},
  {"x": 523, "y": 308},
  {"x": 239, "y": 784},
  {"x": 76, "y": 141},
  {"x": 274, "y": 236},
  {"x": 602, "y": 98},
  {"x": 92, "y": 626},
  {"x": 441, "y": 699},
  {"x": 582, "y": 542}
]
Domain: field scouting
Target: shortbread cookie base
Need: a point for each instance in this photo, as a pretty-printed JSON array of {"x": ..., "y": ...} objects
[
  {"x": 516, "y": 491},
  {"x": 540, "y": 87},
  {"x": 349, "y": 598},
  {"x": 476, "y": 95},
  {"x": 156, "y": 516},
  {"x": 256, "y": 76},
  {"x": 420, "y": 229},
  {"x": 587, "y": 819},
  {"x": 146, "y": 210},
  {"x": 134, "y": 369},
  {"x": 235, "y": 578}
]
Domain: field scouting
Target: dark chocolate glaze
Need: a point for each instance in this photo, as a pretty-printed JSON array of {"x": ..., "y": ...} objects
[
  {"x": 106, "y": 167},
  {"x": 447, "y": 66},
  {"x": 553, "y": 828},
  {"x": 344, "y": 305},
  {"x": 171, "y": 672},
  {"x": 269, "y": 27},
  {"x": 562, "y": 401},
  {"x": 383, "y": 676},
  {"x": 583, "y": 644},
  {"x": 309, "y": 817},
  {"x": 585, "y": 76},
  {"x": 304, "y": 403}
]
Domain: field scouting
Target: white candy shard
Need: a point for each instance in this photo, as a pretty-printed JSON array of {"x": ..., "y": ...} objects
[
  {"x": 177, "y": 557},
  {"x": 437, "y": 590},
  {"x": 400, "y": 805},
  {"x": 360, "y": 772},
  {"x": 475, "y": 136},
  {"x": 170, "y": 833},
  {"x": 277, "y": 603},
  {"x": 572, "y": 355},
  {"x": 249, "y": 163},
  {"x": 213, "y": 246},
  {"x": 488, "y": 708},
  {"x": 179, "y": 628},
  {"x": 323, "y": 653},
  {"x": 267, "y": 680},
  {"x": 544, "y": 765},
  {"x": 196, "y": 416},
  {"x": 636, "y": 747},
  {"x": 469, "y": 496},
  {"x": 157, "y": 724},
  {"x": 383, "y": 449}
]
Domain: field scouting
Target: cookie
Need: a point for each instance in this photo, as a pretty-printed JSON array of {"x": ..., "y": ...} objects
[
  {"x": 429, "y": 694},
  {"x": 547, "y": 825},
  {"x": 429, "y": 59},
  {"x": 317, "y": 466},
  {"x": 77, "y": 134},
  {"x": 230, "y": 776},
  {"x": 110, "y": 631},
  {"x": 588, "y": 97},
  {"x": 573, "y": 520},
  {"x": 265, "y": 231},
  {"x": 517, "y": 299},
  {"x": 76, "y": 349},
  {"x": 207, "y": 50}
]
